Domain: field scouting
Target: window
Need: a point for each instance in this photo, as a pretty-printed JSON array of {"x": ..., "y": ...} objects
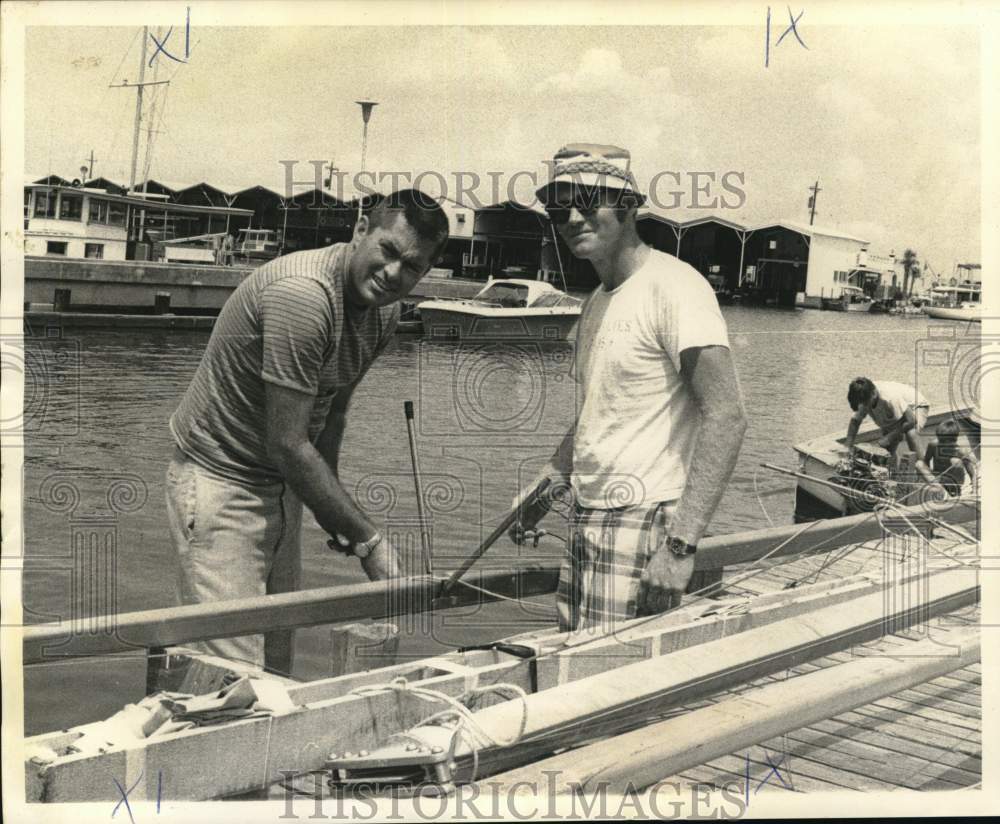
[
  {"x": 93, "y": 250},
  {"x": 70, "y": 207},
  {"x": 45, "y": 204},
  {"x": 99, "y": 211},
  {"x": 55, "y": 247},
  {"x": 116, "y": 214},
  {"x": 460, "y": 217}
]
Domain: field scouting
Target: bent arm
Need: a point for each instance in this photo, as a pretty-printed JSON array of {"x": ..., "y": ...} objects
[
  {"x": 971, "y": 464},
  {"x": 852, "y": 431},
  {"x": 306, "y": 469},
  {"x": 710, "y": 374},
  {"x": 329, "y": 441},
  {"x": 711, "y": 377}
]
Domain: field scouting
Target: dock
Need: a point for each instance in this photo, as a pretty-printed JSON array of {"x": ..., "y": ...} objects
[
  {"x": 99, "y": 294},
  {"x": 794, "y": 602}
]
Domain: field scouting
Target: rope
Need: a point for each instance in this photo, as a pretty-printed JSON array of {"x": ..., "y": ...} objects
[
  {"x": 760, "y": 503},
  {"x": 466, "y": 720}
]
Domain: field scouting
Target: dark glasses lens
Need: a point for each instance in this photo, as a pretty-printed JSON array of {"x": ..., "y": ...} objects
[{"x": 559, "y": 211}]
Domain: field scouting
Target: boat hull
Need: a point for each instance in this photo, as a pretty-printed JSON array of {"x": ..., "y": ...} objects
[
  {"x": 451, "y": 324},
  {"x": 841, "y": 306},
  {"x": 953, "y": 313},
  {"x": 820, "y": 457}
]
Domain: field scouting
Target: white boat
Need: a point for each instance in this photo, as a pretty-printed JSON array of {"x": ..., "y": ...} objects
[
  {"x": 824, "y": 459},
  {"x": 959, "y": 302},
  {"x": 257, "y": 245},
  {"x": 852, "y": 299},
  {"x": 505, "y": 308}
]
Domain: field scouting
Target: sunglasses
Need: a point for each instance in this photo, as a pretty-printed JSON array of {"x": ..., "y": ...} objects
[{"x": 586, "y": 203}]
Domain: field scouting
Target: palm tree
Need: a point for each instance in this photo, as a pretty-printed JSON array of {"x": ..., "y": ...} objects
[{"x": 909, "y": 265}]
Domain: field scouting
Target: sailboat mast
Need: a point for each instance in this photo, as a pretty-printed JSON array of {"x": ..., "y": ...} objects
[{"x": 138, "y": 109}]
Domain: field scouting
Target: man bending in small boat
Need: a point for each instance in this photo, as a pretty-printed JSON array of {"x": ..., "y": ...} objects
[
  {"x": 899, "y": 410},
  {"x": 661, "y": 417}
]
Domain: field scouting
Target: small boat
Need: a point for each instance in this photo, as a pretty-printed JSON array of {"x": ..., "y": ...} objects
[
  {"x": 871, "y": 474},
  {"x": 959, "y": 302},
  {"x": 506, "y": 308},
  {"x": 852, "y": 299},
  {"x": 257, "y": 245}
]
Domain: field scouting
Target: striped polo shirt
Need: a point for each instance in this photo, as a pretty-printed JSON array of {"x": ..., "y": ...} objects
[{"x": 285, "y": 324}]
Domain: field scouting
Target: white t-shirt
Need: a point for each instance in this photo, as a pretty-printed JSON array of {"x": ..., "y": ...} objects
[
  {"x": 893, "y": 401},
  {"x": 637, "y": 420}
]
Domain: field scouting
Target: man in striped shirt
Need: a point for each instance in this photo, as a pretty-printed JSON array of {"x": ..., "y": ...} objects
[{"x": 258, "y": 431}]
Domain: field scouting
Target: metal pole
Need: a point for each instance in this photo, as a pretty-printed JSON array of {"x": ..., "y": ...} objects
[
  {"x": 366, "y": 113},
  {"x": 138, "y": 110},
  {"x": 425, "y": 544},
  {"x": 502, "y": 527}
]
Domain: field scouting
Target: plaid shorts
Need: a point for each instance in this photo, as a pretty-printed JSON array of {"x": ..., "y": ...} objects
[{"x": 606, "y": 553}]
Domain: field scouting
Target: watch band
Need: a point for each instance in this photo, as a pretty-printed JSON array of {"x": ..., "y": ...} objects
[
  {"x": 362, "y": 549},
  {"x": 680, "y": 547}
]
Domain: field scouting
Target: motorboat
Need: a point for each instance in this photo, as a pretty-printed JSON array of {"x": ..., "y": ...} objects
[
  {"x": 871, "y": 473},
  {"x": 961, "y": 302},
  {"x": 510, "y": 307},
  {"x": 851, "y": 299}
]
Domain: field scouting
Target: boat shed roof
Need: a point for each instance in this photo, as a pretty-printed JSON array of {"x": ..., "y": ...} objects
[
  {"x": 809, "y": 231},
  {"x": 152, "y": 205}
]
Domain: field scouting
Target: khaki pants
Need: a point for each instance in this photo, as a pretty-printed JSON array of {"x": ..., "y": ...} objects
[{"x": 234, "y": 541}]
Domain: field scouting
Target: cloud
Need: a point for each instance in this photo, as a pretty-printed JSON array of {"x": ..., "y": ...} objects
[{"x": 599, "y": 71}]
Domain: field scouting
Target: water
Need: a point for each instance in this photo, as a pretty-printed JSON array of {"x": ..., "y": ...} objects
[{"x": 488, "y": 416}]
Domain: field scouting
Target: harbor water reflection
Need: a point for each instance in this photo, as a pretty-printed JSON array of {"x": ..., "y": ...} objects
[{"x": 488, "y": 415}]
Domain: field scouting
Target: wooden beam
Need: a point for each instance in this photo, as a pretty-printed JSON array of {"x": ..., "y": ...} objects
[
  {"x": 178, "y": 625},
  {"x": 643, "y": 757},
  {"x": 604, "y": 703},
  {"x": 721, "y": 551},
  {"x": 246, "y": 755},
  {"x": 173, "y": 626}
]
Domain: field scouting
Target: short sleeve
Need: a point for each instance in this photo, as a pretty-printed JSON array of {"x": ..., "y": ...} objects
[
  {"x": 297, "y": 325},
  {"x": 688, "y": 315}
]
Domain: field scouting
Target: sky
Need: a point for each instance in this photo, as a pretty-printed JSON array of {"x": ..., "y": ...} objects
[{"x": 887, "y": 119}]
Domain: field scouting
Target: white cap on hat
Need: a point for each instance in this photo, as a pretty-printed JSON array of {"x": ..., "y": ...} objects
[{"x": 593, "y": 165}]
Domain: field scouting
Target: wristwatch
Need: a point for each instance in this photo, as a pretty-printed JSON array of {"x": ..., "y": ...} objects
[
  {"x": 365, "y": 548},
  {"x": 680, "y": 547},
  {"x": 361, "y": 549}
]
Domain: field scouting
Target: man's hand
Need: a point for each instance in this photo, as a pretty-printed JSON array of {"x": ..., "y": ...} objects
[
  {"x": 382, "y": 563},
  {"x": 523, "y": 529},
  {"x": 663, "y": 581}
]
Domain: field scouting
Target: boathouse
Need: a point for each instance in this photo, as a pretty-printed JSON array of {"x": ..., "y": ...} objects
[{"x": 78, "y": 222}]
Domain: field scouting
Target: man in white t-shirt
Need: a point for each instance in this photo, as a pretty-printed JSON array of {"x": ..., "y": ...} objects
[
  {"x": 661, "y": 417},
  {"x": 899, "y": 410}
]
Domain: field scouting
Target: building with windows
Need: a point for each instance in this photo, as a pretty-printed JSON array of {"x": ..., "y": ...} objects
[{"x": 83, "y": 222}]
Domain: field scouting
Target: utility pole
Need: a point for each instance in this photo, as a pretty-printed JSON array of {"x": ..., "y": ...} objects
[
  {"x": 815, "y": 189},
  {"x": 90, "y": 166}
]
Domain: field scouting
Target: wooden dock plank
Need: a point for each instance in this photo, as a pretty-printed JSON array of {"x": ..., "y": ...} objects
[
  {"x": 874, "y": 735},
  {"x": 902, "y": 770}
]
